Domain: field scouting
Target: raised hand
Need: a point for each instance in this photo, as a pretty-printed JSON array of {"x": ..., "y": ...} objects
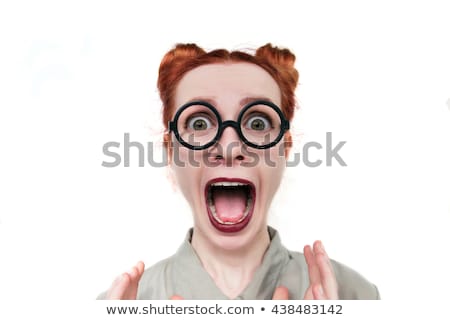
[
  {"x": 125, "y": 286},
  {"x": 322, "y": 281}
]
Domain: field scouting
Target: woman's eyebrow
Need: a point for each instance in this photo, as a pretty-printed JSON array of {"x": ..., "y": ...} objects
[
  {"x": 205, "y": 99},
  {"x": 248, "y": 100}
]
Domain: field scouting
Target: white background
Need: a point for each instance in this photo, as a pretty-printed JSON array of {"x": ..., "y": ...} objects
[{"x": 75, "y": 75}]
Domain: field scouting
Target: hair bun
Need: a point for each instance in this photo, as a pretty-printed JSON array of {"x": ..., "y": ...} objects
[
  {"x": 172, "y": 61},
  {"x": 283, "y": 59},
  {"x": 276, "y": 55},
  {"x": 182, "y": 51}
]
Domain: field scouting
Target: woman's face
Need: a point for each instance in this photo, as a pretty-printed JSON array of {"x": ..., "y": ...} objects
[{"x": 229, "y": 186}]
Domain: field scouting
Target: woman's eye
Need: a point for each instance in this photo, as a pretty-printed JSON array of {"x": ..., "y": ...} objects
[
  {"x": 258, "y": 123},
  {"x": 199, "y": 123}
]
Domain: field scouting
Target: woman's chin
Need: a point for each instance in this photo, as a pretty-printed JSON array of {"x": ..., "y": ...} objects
[{"x": 233, "y": 239}]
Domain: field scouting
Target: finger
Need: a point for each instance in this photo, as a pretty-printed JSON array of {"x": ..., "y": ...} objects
[
  {"x": 318, "y": 293},
  {"x": 134, "y": 282},
  {"x": 281, "y": 293},
  {"x": 328, "y": 280},
  {"x": 320, "y": 249},
  {"x": 175, "y": 297},
  {"x": 309, "y": 294},
  {"x": 134, "y": 273},
  {"x": 141, "y": 267},
  {"x": 313, "y": 269},
  {"x": 118, "y": 287},
  {"x": 134, "y": 276}
]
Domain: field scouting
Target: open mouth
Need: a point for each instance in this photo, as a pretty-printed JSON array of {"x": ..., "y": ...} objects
[{"x": 230, "y": 203}]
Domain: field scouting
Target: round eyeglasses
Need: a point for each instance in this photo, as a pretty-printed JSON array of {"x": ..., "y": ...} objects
[{"x": 197, "y": 125}]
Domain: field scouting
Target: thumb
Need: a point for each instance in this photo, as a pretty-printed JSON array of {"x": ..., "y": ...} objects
[{"x": 281, "y": 293}]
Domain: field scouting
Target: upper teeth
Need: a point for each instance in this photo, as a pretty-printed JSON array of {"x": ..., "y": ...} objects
[{"x": 228, "y": 184}]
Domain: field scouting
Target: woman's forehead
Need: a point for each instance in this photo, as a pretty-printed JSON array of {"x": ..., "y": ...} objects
[{"x": 227, "y": 83}]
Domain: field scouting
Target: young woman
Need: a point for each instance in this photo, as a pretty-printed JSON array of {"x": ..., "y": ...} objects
[{"x": 227, "y": 118}]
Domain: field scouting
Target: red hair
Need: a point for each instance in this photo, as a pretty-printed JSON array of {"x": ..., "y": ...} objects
[{"x": 279, "y": 63}]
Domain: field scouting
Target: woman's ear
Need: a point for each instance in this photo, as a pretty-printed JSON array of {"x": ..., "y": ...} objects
[
  {"x": 167, "y": 147},
  {"x": 287, "y": 144},
  {"x": 168, "y": 151}
]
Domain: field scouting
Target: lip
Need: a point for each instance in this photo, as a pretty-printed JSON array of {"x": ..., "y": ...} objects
[{"x": 230, "y": 228}]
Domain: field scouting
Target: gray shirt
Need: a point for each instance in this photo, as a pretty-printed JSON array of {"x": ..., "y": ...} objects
[{"x": 183, "y": 274}]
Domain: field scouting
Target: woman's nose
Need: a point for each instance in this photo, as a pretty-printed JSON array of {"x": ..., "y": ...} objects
[{"x": 229, "y": 147}]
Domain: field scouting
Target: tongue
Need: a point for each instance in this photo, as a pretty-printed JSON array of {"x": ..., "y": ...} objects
[{"x": 230, "y": 203}]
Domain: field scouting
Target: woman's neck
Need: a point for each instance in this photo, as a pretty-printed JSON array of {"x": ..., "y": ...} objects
[{"x": 231, "y": 270}]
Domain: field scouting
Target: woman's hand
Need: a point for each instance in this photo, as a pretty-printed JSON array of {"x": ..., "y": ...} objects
[
  {"x": 125, "y": 286},
  {"x": 322, "y": 282}
]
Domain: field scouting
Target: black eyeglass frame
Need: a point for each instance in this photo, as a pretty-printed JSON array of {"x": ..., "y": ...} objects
[{"x": 284, "y": 125}]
